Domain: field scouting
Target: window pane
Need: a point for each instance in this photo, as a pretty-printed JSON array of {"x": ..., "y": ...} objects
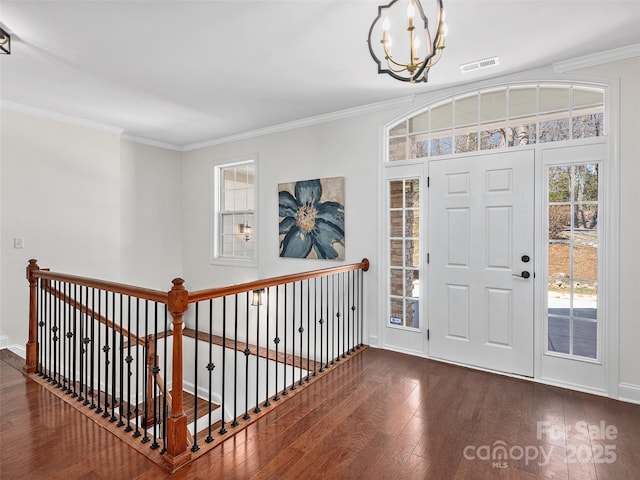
[
  {"x": 412, "y": 223},
  {"x": 419, "y": 145},
  {"x": 395, "y": 193},
  {"x": 466, "y": 111},
  {"x": 554, "y": 130},
  {"x": 467, "y": 143},
  {"x": 396, "y": 223},
  {"x": 587, "y": 97},
  {"x": 442, "y": 116},
  {"x": 412, "y": 284},
  {"x": 412, "y": 193},
  {"x": 586, "y": 183},
  {"x": 585, "y": 261},
  {"x": 493, "y": 105},
  {"x": 240, "y": 196},
  {"x": 413, "y": 314},
  {"x": 399, "y": 129},
  {"x": 585, "y": 336},
  {"x": 554, "y": 99},
  {"x": 397, "y": 311},
  {"x": 395, "y": 282},
  {"x": 586, "y": 126},
  {"x": 395, "y": 253},
  {"x": 419, "y": 123},
  {"x": 558, "y": 334},
  {"x": 441, "y": 146},
  {"x": 229, "y": 178},
  {"x": 412, "y": 253},
  {"x": 559, "y": 222},
  {"x": 522, "y": 102},
  {"x": 559, "y": 184},
  {"x": 559, "y": 264},
  {"x": 490, "y": 139},
  {"x": 521, "y": 134},
  {"x": 397, "y": 149}
]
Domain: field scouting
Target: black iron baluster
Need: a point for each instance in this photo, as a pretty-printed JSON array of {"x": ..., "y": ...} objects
[
  {"x": 345, "y": 314},
  {"x": 99, "y": 340},
  {"x": 121, "y": 363},
  {"x": 210, "y": 367},
  {"x": 235, "y": 364},
  {"x": 284, "y": 349},
  {"x": 72, "y": 343},
  {"x": 128, "y": 359},
  {"x": 55, "y": 329},
  {"x": 106, "y": 349},
  {"x": 361, "y": 309},
  {"x": 293, "y": 336},
  {"x": 321, "y": 322},
  {"x": 353, "y": 310},
  {"x": 156, "y": 370},
  {"x": 39, "y": 308},
  {"x": 223, "y": 430},
  {"x": 145, "y": 375},
  {"x": 195, "y": 447},
  {"x": 309, "y": 329},
  {"x": 113, "y": 357},
  {"x": 46, "y": 328},
  {"x": 256, "y": 409},
  {"x": 136, "y": 410},
  {"x": 246, "y": 415},
  {"x": 64, "y": 338},
  {"x": 165, "y": 403},
  {"x": 91, "y": 344},
  {"x": 276, "y": 341},
  {"x": 301, "y": 332},
  {"x": 335, "y": 318},
  {"x": 266, "y": 343},
  {"x": 80, "y": 340}
]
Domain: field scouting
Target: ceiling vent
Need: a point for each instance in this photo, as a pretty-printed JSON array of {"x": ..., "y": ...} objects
[{"x": 479, "y": 64}]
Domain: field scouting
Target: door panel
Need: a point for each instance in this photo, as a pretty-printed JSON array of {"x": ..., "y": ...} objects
[{"x": 480, "y": 225}]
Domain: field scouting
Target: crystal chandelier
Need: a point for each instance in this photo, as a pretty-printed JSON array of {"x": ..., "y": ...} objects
[{"x": 409, "y": 56}]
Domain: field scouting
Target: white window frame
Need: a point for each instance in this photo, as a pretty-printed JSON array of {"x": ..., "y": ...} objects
[{"x": 215, "y": 249}]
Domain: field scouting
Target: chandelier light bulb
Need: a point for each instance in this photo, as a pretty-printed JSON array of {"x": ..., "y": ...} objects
[{"x": 410, "y": 10}]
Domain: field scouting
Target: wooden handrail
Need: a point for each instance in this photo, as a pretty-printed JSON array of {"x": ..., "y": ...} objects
[
  {"x": 143, "y": 293},
  {"x": 200, "y": 295},
  {"x": 46, "y": 286}
]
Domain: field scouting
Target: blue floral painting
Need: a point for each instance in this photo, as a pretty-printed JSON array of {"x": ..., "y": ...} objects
[{"x": 312, "y": 218}]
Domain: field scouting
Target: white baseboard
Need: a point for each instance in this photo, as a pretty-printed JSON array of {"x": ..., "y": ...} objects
[
  {"x": 18, "y": 350},
  {"x": 4, "y": 341},
  {"x": 373, "y": 341},
  {"x": 628, "y": 392}
]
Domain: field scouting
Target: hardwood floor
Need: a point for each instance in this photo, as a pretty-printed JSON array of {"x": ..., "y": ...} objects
[{"x": 382, "y": 415}]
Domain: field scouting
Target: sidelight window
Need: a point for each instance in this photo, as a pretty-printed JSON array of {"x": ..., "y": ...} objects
[
  {"x": 404, "y": 252},
  {"x": 573, "y": 252}
]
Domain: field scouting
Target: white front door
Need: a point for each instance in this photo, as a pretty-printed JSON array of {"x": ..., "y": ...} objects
[{"x": 481, "y": 239}]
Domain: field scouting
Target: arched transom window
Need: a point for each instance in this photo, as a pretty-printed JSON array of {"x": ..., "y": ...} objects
[{"x": 497, "y": 118}]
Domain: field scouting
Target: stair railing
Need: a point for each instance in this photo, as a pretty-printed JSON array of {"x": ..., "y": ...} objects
[{"x": 110, "y": 346}]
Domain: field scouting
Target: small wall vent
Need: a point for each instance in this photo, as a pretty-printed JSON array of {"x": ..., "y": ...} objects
[{"x": 480, "y": 64}]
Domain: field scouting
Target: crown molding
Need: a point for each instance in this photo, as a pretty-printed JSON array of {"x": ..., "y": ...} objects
[
  {"x": 305, "y": 122},
  {"x": 60, "y": 117},
  {"x": 597, "y": 58},
  {"x": 152, "y": 143}
]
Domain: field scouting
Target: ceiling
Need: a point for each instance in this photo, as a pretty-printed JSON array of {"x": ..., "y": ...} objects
[{"x": 187, "y": 72}]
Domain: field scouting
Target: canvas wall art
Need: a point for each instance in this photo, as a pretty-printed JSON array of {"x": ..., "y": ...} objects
[{"x": 312, "y": 218}]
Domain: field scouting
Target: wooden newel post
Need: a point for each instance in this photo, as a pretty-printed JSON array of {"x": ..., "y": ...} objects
[
  {"x": 177, "y": 453},
  {"x": 32, "y": 343}
]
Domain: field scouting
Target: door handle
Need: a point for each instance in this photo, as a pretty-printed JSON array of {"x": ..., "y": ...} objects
[{"x": 524, "y": 274}]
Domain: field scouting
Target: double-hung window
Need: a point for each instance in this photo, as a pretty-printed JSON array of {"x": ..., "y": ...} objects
[{"x": 234, "y": 213}]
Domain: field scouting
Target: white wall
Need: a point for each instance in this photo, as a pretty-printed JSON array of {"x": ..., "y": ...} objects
[
  {"x": 347, "y": 147},
  {"x": 151, "y": 225},
  {"x": 61, "y": 192},
  {"x": 628, "y": 71}
]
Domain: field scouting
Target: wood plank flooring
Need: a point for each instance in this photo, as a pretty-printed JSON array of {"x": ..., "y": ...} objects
[{"x": 382, "y": 415}]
